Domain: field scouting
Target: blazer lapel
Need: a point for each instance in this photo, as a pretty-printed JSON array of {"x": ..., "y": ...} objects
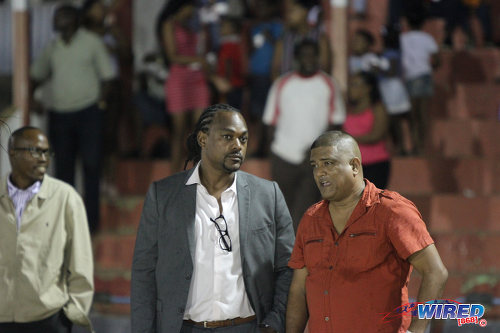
[
  {"x": 244, "y": 210},
  {"x": 186, "y": 202}
]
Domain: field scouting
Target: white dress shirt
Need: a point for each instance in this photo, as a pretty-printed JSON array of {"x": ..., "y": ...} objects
[
  {"x": 217, "y": 290},
  {"x": 20, "y": 197}
]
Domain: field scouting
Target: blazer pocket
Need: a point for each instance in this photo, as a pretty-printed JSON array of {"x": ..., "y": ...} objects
[{"x": 261, "y": 228}]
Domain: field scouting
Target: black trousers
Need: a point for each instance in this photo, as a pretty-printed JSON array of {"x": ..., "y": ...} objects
[
  {"x": 57, "y": 323},
  {"x": 79, "y": 134},
  {"x": 297, "y": 184},
  {"x": 378, "y": 173}
]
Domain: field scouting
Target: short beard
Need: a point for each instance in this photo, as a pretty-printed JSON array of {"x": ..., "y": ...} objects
[{"x": 230, "y": 170}]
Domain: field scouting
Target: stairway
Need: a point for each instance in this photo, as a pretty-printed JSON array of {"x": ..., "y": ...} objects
[{"x": 455, "y": 185}]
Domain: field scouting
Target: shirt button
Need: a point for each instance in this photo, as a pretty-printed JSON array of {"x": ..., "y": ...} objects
[
  {"x": 330, "y": 268},
  {"x": 188, "y": 277},
  {"x": 325, "y": 292},
  {"x": 327, "y": 318},
  {"x": 336, "y": 243}
]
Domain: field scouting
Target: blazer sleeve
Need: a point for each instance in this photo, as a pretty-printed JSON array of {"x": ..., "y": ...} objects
[
  {"x": 143, "y": 284},
  {"x": 285, "y": 238}
]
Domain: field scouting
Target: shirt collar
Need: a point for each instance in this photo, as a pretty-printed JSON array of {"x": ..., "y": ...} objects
[
  {"x": 195, "y": 179},
  {"x": 13, "y": 189},
  {"x": 369, "y": 197},
  {"x": 370, "y": 194},
  {"x": 76, "y": 35}
]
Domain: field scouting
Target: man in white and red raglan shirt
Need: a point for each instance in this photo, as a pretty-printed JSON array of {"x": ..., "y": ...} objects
[{"x": 301, "y": 105}]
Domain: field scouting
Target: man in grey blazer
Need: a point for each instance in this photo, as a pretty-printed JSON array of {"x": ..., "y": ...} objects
[{"x": 213, "y": 242}]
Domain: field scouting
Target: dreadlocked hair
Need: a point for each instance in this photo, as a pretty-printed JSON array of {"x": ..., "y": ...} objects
[{"x": 203, "y": 124}]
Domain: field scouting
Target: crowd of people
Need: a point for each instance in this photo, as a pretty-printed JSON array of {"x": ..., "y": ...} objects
[
  {"x": 245, "y": 54},
  {"x": 255, "y": 62},
  {"x": 217, "y": 247}
]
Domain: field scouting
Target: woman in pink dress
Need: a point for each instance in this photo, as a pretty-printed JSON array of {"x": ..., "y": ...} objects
[
  {"x": 186, "y": 88},
  {"x": 367, "y": 122}
]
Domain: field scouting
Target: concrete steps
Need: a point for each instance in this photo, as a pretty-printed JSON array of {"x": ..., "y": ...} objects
[
  {"x": 475, "y": 100},
  {"x": 121, "y": 214},
  {"x": 114, "y": 251},
  {"x": 133, "y": 177},
  {"x": 455, "y": 185},
  {"x": 467, "y": 176},
  {"x": 468, "y": 66},
  {"x": 465, "y": 138}
]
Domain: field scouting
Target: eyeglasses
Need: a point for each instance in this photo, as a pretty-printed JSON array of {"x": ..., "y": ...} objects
[
  {"x": 37, "y": 152},
  {"x": 224, "y": 239}
]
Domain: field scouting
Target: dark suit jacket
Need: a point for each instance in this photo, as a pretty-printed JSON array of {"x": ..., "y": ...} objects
[{"x": 165, "y": 247}]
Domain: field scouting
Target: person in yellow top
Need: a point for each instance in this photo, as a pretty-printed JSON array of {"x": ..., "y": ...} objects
[{"x": 46, "y": 265}]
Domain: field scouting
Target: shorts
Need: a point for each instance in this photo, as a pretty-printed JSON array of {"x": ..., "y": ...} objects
[{"x": 422, "y": 86}]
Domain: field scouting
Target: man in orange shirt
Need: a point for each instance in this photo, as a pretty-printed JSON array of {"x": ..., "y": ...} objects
[{"x": 355, "y": 250}]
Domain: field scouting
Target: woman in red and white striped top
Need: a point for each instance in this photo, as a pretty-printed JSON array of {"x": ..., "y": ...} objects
[{"x": 186, "y": 88}]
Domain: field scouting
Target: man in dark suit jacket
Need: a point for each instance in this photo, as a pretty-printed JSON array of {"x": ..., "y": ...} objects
[{"x": 213, "y": 242}]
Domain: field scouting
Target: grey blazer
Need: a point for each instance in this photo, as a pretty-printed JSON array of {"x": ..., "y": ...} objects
[{"x": 165, "y": 247}]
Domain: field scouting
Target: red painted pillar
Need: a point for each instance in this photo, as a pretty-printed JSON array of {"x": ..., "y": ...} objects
[
  {"x": 21, "y": 50},
  {"x": 336, "y": 25}
]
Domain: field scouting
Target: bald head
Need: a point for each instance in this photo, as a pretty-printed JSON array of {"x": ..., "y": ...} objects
[
  {"x": 344, "y": 144},
  {"x": 337, "y": 171}
]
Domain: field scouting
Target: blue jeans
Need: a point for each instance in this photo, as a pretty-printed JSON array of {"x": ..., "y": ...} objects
[{"x": 422, "y": 86}]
